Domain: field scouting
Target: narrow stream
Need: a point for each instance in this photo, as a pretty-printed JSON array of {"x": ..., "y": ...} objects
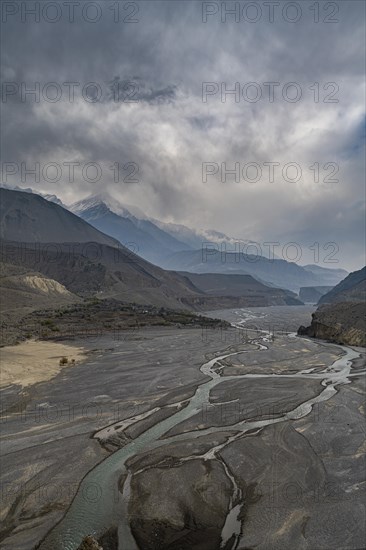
[{"x": 93, "y": 516}]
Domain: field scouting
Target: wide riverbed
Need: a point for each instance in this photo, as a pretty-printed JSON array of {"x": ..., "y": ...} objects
[{"x": 262, "y": 408}]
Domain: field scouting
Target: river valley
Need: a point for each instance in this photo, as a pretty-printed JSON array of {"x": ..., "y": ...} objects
[{"x": 165, "y": 438}]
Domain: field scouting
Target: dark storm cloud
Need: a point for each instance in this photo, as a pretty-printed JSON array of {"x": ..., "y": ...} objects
[
  {"x": 161, "y": 62},
  {"x": 134, "y": 89}
]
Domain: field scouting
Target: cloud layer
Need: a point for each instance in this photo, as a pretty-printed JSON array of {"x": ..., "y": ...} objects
[{"x": 146, "y": 108}]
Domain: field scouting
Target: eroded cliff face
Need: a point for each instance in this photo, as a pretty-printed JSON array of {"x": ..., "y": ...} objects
[{"x": 343, "y": 323}]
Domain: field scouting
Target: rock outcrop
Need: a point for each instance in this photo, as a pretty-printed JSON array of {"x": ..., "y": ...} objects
[
  {"x": 90, "y": 543},
  {"x": 343, "y": 323},
  {"x": 190, "y": 516},
  {"x": 341, "y": 316}
]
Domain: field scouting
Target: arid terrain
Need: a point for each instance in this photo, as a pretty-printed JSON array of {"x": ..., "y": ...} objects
[{"x": 259, "y": 432}]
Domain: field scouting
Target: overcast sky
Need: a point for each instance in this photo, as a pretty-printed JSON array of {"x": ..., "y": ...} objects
[{"x": 160, "y": 61}]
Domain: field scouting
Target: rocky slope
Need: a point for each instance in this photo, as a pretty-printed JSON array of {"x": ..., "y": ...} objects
[
  {"x": 27, "y": 217},
  {"x": 351, "y": 289},
  {"x": 90, "y": 543},
  {"x": 341, "y": 315},
  {"x": 343, "y": 323},
  {"x": 41, "y": 236},
  {"x": 101, "y": 270},
  {"x": 24, "y": 291},
  {"x": 312, "y": 294}
]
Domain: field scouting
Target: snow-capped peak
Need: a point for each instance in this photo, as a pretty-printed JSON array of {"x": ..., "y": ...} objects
[
  {"x": 85, "y": 204},
  {"x": 104, "y": 199}
]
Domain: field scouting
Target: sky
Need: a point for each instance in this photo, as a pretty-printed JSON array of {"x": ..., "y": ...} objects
[{"x": 133, "y": 99}]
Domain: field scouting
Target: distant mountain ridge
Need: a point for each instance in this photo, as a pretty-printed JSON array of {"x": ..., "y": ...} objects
[
  {"x": 173, "y": 237},
  {"x": 150, "y": 242},
  {"x": 48, "y": 244},
  {"x": 312, "y": 294},
  {"x": 332, "y": 275},
  {"x": 278, "y": 272},
  {"x": 171, "y": 246}
]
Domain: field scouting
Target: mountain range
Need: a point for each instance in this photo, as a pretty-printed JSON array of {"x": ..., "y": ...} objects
[
  {"x": 277, "y": 272},
  {"x": 48, "y": 251},
  {"x": 43, "y": 236},
  {"x": 179, "y": 248},
  {"x": 51, "y": 256},
  {"x": 176, "y": 247},
  {"x": 143, "y": 236},
  {"x": 155, "y": 240}
]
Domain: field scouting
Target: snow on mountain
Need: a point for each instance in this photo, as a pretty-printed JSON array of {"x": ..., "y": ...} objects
[
  {"x": 192, "y": 238},
  {"x": 107, "y": 215}
]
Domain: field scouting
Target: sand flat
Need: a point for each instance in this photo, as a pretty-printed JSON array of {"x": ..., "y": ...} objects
[{"x": 35, "y": 361}]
